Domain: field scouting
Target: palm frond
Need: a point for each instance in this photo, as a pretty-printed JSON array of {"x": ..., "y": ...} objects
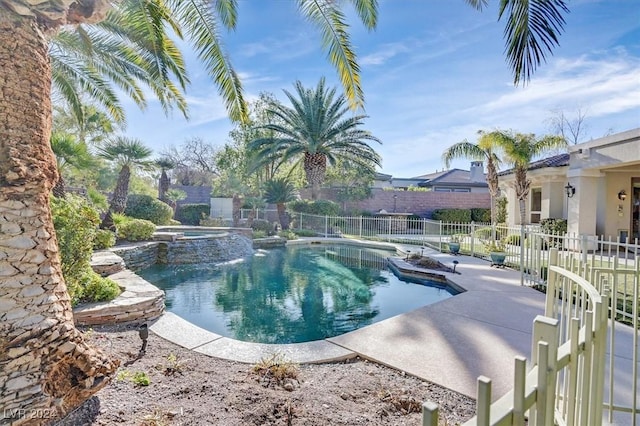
[{"x": 531, "y": 32}]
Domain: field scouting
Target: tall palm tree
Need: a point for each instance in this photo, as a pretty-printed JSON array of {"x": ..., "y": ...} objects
[
  {"x": 279, "y": 191},
  {"x": 69, "y": 153},
  {"x": 60, "y": 369},
  {"x": 315, "y": 131},
  {"x": 164, "y": 182},
  {"x": 483, "y": 150},
  {"x": 519, "y": 149},
  {"x": 127, "y": 154}
]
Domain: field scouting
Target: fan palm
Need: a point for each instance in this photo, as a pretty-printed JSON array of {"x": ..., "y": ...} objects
[
  {"x": 483, "y": 150},
  {"x": 315, "y": 131},
  {"x": 279, "y": 191},
  {"x": 519, "y": 149},
  {"x": 164, "y": 182},
  {"x": 69, "y": 153},
  {"x": 127, "y": 154}
]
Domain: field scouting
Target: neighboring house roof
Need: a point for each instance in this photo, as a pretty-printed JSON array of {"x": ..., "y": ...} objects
[
  {"x": 383, "y": 176},
  {"x": 453, "y": 177},
  {"x": 559, "y": 160}
]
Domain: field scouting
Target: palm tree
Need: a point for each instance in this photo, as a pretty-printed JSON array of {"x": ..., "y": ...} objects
[
  {"x": 60, "y": 369},
  {"x": 69, "y": 153},
  {"x": 483, "y": 150},
  {"x": 127, "y": 154},
  {"x": 279, "y": 191},
  {"x": 163, "y": 185},
  {"x": 519, "y": 150},
  {"x": 315, "y": 132}
]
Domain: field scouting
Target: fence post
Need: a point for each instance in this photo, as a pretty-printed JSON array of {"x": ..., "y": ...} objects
[
  {"x": 483, "y": 404},
  {"x": 389, "y": 234},
  {"x": 551, "y": 300},
  {"x": 584, "y": 248},
  {"x": 519, "y": 382},
  {"x": 300, "y": 214},
  {"x": 326, "y": 226},
  {"x": 545, "y": 329},
  {"x": 473, "y": 236},
  {"x": 522, "y": 248},
  {"x": 440, "y": 237},
  {"x": 429, "y": 414},
  {"x": 360, "y": 233}
]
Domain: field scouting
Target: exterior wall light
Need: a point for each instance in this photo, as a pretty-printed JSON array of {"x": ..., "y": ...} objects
[
  {"x": 570, "y": 189},
  {"x": 622, "y": 195}
]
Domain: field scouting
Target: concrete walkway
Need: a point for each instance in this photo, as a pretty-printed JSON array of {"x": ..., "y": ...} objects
[{"x": 451, "y": 343}]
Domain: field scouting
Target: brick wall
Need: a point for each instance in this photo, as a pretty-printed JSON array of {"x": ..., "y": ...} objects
[{"x": 420, "y": 203}]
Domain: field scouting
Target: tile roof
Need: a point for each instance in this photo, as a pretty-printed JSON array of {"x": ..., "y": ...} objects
[{"x": 559, "y": 160}]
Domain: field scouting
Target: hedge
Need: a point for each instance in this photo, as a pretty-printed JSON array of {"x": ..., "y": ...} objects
[
  {"x": 452, "y": 215},
  {"x": 191, "y": 214},
  {"x": 141, "y": 206}
]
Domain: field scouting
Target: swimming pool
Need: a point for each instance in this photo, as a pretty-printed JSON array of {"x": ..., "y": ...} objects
[{"x": 292, "y": 295}]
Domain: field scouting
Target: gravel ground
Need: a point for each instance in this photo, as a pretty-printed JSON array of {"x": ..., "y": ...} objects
[{"x": 188, "y": 388}]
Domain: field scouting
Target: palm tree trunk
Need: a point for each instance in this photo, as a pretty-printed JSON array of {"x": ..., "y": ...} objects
[
  {"x": 236, "y": 206},
  {"x": 163, "y": 187},
  {"x": 282, "y": 216},
  {"x": 45, "y": 363},
  {"x": 121, "y": 191},
  {"x": 58, "y": 188}
]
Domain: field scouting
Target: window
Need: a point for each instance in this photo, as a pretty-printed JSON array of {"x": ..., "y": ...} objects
[{"x": 536, "y": 204}]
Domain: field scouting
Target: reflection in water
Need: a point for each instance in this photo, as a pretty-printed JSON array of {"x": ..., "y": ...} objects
[{"x": 291, "y": 295}]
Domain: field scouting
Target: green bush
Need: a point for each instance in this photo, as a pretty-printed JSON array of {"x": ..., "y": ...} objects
[
  {"x": 305, "y": 233},
  {"x": 140, "y": 206},
  {"x": 481, "y": 215},
  {"x": 136, "y": 230},
  {"x": 554, "y": 226},
  {"x": 288, "y": 234},
  {"x": 98, "y": 289},
  {"x": 76, "y": 225},
  {"x": 452, "y": 215},
  {"x": 261, "y": 225},
  {"x": 104, "y": 239},
  {"x": 501, "y": 209},
  {"x": 513, "y": 239},
  {"x": 484, "y": 233},
  {"x": 191, "y": 214},
  {"x": 259, "y": 234},
  {"x": 317, "y": 207}
]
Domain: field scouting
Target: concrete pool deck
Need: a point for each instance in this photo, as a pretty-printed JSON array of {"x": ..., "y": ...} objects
[{"x": 450, "y": 343}]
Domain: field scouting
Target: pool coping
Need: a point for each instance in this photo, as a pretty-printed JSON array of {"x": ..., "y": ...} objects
[{"x": 188, "y": 335}]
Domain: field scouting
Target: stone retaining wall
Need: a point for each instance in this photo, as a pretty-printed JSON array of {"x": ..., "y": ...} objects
[{"x": 138, "y": 256}]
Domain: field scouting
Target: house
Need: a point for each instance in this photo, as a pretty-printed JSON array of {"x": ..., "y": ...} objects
[
  {"x": 454, "y": 180},
  {"x": 596, "y": 187}
]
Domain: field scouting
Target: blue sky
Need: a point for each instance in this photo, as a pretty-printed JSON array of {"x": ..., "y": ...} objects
[{"x": 433, "y": 74}]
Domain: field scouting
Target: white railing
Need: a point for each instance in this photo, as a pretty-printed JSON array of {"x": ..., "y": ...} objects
[
  {"x": 601, "y": 261},
  {"x": 565, "y": 381}
]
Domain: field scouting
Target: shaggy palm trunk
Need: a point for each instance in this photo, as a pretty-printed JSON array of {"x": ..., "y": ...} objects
[
  {"x": 522, "y": 190},
  {"x": 118, "y": 200},
  {"x": 315, "y": 168},
  {"x": 282, "y": 216},
  {"x": 163, "y": 187},
  {"x": 58, "y": 188},
  {"x": 44, "y": 362},
  {"x": 236, "y": 205}
]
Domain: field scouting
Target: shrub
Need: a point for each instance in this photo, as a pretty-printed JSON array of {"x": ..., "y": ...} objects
[
  {"x": 262, "y": 225},
  {"x": 501, "y": 209},
  {"x": 98, "y": 289},
  {"x": 75, "y": 222},
  {"x": 259, "y": 234},
  {"x": 191, "y": 214},
  {"x": 452, "y": 215},
  {"x": 513, "y": 239},
  {"x": 481, "y": 215},
  {"x": 211, "y": 221},
  {"x": 305, "y": 232},
  {"x": 288, "y": 234},
  {"x": 136, "y": 230},
  {"x": 140, "y": 206},
  {"x": 104, "y": 239},
  {"x": 484, "y": 233},
  {"x": 318, "y": 207}
]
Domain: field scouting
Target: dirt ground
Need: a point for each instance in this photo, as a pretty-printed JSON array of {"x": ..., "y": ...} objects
[{"x": 187, "y": 388}]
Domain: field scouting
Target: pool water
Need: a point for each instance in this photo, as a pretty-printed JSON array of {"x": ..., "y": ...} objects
[{"x": 292, "y": 295}]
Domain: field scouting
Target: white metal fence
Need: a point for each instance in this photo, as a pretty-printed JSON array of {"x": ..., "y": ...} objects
[{"x": 574, "y": 270}]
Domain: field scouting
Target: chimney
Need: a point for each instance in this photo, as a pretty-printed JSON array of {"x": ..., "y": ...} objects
[{"x": 477, "y": 172}]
